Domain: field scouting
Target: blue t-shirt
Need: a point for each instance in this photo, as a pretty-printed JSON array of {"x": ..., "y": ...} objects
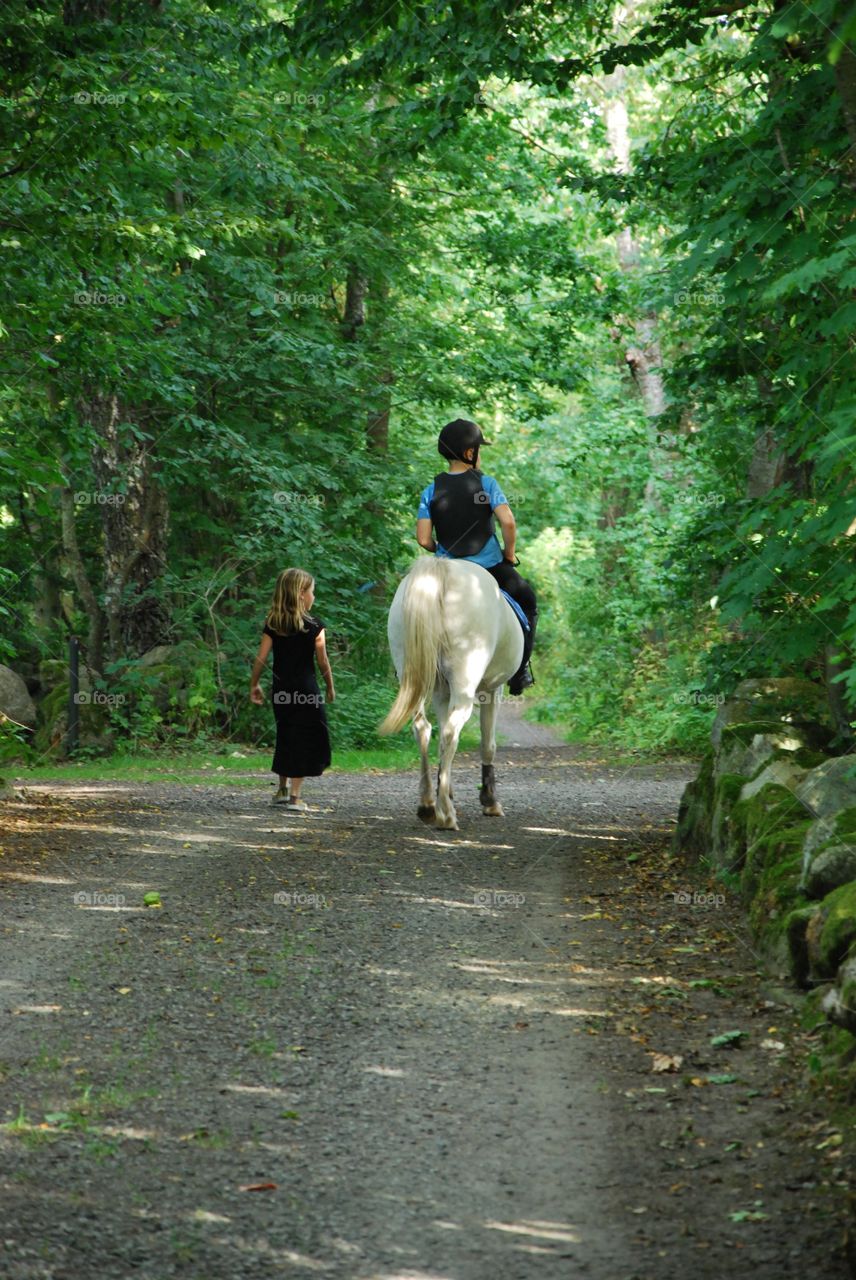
[{"x": 490, "y": 553}]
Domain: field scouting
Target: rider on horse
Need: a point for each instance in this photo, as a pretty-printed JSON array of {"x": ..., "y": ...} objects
[{"x": 461, "y": 506}]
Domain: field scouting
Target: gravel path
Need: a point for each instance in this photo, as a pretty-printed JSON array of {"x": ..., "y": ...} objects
[{"x": 432, "y": 1052}]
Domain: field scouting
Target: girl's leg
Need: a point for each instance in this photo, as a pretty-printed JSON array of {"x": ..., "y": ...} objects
[
  {"x": 296, "y": 784},
  {"x": 283, "y": 782}
]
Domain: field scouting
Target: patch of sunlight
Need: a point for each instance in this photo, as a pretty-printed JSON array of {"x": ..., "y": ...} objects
[
  {"x": 258, "y": 1088},
  {"x": 126, "y": 1131},
  {"x": 548, "y": 831},
  {"x": 526, "y": 1002},
  {"x": 383, "y": 973},
  {"x": 38, "y": 1008},
  {"x": 410, "y": 1275},
  {"x": 50, "y": 789},
  {"x": 99, "y": 828},
  {"x": 385, "y": 1071},
  {"x": 84, "y": 906},
  {"x": 458, "y": 844},
  {"x": 437, "y": 902},
  {"x": 263, "y": 1248},
  {"x": 22, "y": 875},
  {"x": 589, "y": 835},
  {"x": 193, "y": 837},
  {"x": 205, "y": 1215},
  {"x": 537, "y": 1227},
  {"x": 534, "y": 1248},
  {"x": 447, "y": 1226},
  {"x": 521, "y": 981}
]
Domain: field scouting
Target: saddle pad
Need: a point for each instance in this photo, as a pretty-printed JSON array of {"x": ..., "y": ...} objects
[{"x": 521, "y": 616}]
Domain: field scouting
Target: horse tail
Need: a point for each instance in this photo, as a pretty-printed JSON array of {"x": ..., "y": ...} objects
[{"x": 422, "y": 617}]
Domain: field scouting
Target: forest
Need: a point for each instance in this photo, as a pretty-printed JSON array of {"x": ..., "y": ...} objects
[{"x": 257, "y": 254}]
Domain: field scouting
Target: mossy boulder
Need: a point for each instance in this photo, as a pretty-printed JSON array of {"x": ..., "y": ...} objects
[
  {"x": 726, "y": 793},
  {"x": 54, "y": 672},
  {"x": 831, "y": 866},
  {"x": 15, "y": 700},
  {"x": 830, "y": 788},
  {"x": 695, "y": 812},
  {"x": 747, "y": 748},
  {"x": 764, "y": 807},
  {"x": 795, "y": 930},
  {"x": 788, "y": 700},
  {"x": 770, "y": 884},
  {"x": 94, "y": 721},
  {"x": 832, "y": 930},
  {"x": 839, "y": 1003}
]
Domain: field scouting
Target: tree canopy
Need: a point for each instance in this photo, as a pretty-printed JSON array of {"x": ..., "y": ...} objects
[{"x": 257, "y": 254}]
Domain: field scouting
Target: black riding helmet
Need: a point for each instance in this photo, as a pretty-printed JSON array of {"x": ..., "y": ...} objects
[{"x": 458, "y": 436}]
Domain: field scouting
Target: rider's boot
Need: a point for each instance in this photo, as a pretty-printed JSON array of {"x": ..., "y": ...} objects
[{"x": 523, "y": 676}]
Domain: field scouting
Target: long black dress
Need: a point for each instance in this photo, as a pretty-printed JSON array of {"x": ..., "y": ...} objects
[{"x": 302, "y": 736}]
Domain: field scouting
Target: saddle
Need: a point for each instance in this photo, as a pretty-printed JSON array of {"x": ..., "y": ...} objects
[{"x": 521, "y": 616}]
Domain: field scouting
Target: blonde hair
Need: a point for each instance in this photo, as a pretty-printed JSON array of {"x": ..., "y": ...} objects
[{"x": 287, "y": 612}]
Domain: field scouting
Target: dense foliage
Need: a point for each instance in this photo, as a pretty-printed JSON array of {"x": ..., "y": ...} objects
[{"x": 257, "y": 254}]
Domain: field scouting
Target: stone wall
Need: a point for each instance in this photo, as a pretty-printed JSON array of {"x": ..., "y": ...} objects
[{"x": 773, "y": 810}]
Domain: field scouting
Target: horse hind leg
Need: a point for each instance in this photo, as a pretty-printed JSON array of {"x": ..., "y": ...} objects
[
  {"x": 422, "y": 732},
  {"x": 491, "y": 807}
]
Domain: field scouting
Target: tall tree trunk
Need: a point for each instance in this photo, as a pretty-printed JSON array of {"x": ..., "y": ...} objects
[
  {"x": 643, "y": 359},
  {"x": 74, "y": 560},
  {"x": 135, "y": 520},
  {"x": 845, "y": 82}
]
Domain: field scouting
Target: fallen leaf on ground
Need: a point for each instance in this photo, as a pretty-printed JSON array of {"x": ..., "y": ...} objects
[{"x": 666, "y": 1061}]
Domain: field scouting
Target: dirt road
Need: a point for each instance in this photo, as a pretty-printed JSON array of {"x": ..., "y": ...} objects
[{"x": 433, "y": 1053}]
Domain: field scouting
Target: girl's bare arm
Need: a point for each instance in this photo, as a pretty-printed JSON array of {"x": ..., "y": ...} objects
[
  {"x": 324, "y": 665},
  {"x": 265, "y": 647}
]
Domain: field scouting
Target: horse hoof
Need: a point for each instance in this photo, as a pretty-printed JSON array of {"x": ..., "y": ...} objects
[
  {"x": 426, "y": 814},
  {"x": 494, "y": 810}
]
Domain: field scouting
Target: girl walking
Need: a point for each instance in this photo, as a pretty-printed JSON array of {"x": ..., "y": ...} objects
[{"x": 297, "y": 640}]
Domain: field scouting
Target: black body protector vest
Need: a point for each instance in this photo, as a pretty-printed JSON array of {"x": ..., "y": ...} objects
[{"x": 461, "y": 513}]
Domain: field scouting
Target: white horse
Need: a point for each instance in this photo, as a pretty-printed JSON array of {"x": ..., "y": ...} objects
[{"x": 453, "y": 634}]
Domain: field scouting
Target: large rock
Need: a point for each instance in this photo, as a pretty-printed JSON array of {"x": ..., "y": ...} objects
[
  {"x": 787, "y": 700},
  {"x": 832, "y": 930},
  {"x": 15, "y": 701},
  {"x": 839, "y": 1003},
  {"x": 780, "y": 773},
  {"x": 829, "y": 788},
  {"x": 832, "y": 866},
  {"x": 836, "y": 831},
  {"x": 745, "y": 748},
  {"x": 693, "y": 830}
]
